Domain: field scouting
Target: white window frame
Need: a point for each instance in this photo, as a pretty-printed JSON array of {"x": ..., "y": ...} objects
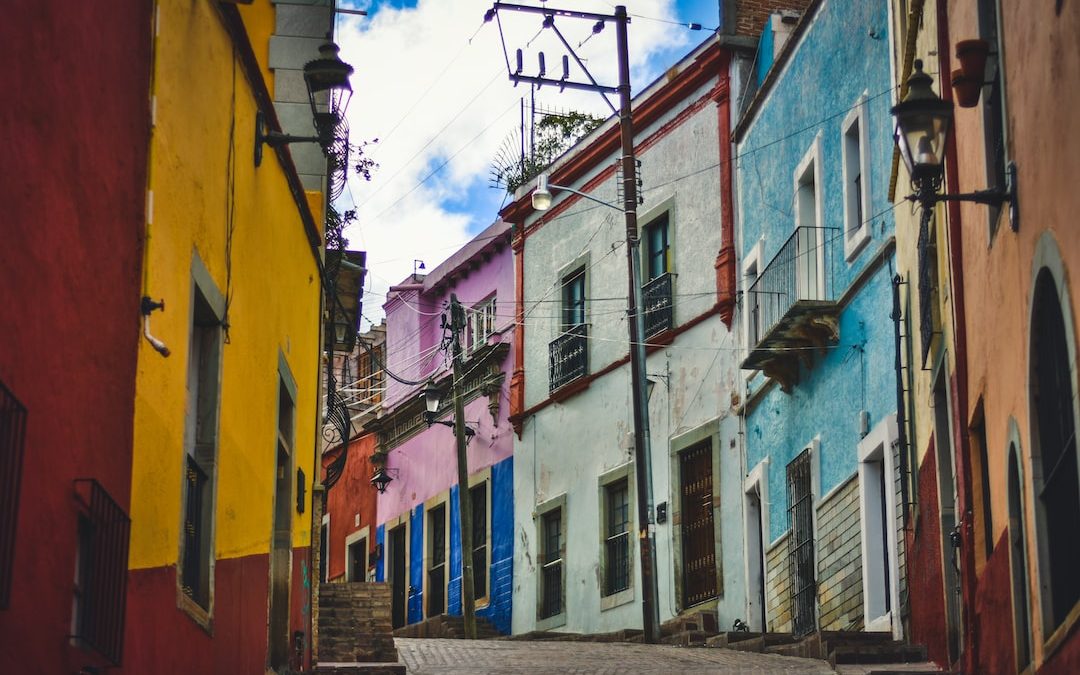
[
  {"x": 443, "y": 500},
  {"x": 483, "y": 478},
  {"x": 811, "y": 164},
  {"x": 326, "y": 553},
  {"x": 558, "y": 502},
  {"x": 856, "y": 234},
  {"x": 751, "y": 270},
  {"x": 624, "y": 472},
  {"x": 875, "y": 456},
  {"x": 481, "y": 323},
  {"x": 360, "y": 535}
]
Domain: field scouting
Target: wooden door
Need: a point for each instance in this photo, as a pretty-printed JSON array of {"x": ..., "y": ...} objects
[{"x": 698, "y": 538}]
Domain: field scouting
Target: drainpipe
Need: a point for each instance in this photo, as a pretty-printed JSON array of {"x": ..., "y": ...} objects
[
  {"x": 901, "y": 408},
  {"x": 956, "y": 269}
]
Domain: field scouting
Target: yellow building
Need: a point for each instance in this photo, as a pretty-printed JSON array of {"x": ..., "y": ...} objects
[{"x": 227, "y": 400}]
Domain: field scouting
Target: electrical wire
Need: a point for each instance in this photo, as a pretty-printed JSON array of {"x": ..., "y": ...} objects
[
  {"x": 428, "y": 144},
  {"x": 444, "y": 163}
]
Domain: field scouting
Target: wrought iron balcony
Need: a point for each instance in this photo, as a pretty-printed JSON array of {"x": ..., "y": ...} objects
[
  {"x": 656, "y": 297},
  {"x": 568, "y": 357},
  {"x": 791, "y": 308}
]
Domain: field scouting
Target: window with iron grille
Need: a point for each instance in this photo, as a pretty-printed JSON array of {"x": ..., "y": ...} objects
[
  {"x": 98, "y": 604},
  {"x": 12, "y": 439},
  {"x": 656, "y": 292},
  {"x": 617, "y": 537},
  {"x": 551, "y": 561},
  {"x": 479, "y": 496},
  {"x": 436, "y": 590},
  {"x": 481, "y": 323},
  {"x": 801, "y": 572},
  {"x": 201, "y": 440}
]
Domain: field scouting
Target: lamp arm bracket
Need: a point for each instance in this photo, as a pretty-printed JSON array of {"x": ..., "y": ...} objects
[
  {"x": 586, "y": 196},
  {"x": 276, "y": 138}
]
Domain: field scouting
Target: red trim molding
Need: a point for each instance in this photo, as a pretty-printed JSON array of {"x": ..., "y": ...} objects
[{"x": 563, "y": 393}]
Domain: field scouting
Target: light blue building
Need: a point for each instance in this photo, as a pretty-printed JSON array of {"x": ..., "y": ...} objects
[{"x": 814, "y": 153}]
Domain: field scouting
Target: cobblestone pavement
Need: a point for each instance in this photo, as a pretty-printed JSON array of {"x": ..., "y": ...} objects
[{"x": 488, "y": 657}]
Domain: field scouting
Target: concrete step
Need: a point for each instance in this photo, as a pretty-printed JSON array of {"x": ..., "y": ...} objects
[
  {"x": 687, "y": 638},
  {"x": 346, "y": 668},
  {"x": 761, "y": 643},
  {"x": 730, "y": 638},
  {"x": 892, "y": 653}
]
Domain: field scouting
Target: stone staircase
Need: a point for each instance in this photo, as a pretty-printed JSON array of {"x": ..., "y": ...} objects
[
  {"x": 839, "y": 648},
  {"x": 447, "y": 626},
  {"x": 354, "y": 626}
]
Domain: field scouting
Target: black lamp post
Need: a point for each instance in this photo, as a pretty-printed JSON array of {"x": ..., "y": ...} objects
[
  {"x": 923, "y": 122},
  {"x": 329, "y": 74}
]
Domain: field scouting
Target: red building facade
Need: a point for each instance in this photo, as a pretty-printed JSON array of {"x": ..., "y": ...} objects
[{"x": 75, "y": 125}]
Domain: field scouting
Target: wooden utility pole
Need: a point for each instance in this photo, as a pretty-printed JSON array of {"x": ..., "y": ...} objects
[
  {"x": 468, "y": 597},
  {"x": 650, "y": 606}
]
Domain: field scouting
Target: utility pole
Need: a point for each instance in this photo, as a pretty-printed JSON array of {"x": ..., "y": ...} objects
[
  {"x": 468, "y": 597},
  {"x": 650, "y": 606}
]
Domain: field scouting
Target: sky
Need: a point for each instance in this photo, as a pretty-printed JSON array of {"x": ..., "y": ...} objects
[{"x": 431, "y": 85}]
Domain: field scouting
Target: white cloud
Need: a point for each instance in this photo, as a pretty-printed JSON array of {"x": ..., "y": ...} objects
[{"x": 416, "y": 73}]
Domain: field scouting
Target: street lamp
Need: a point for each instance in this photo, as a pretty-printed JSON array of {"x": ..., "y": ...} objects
[
  {"x": 381, "y": 479},
  {"x": 329, "y": 74},
  {"x": 923, "y": 122},
  {"x": 432, "y": 396}
]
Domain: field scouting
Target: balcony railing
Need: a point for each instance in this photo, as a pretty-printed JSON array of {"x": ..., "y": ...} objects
[
  {"x": 792, "y": 304},
  {"x": 568, "y": 357},
  {"x": 656, "y": 296},
  {"x": 617, "y": 569}
]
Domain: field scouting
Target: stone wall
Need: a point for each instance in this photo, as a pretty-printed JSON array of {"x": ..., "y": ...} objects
[
  {"x": 839, "y": 556},
  {"x": 778, "y": 586},
  {"x": 354, "y": 623}
]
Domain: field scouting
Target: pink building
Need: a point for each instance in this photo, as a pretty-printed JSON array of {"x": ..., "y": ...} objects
[{"x": 418, "y": 531}]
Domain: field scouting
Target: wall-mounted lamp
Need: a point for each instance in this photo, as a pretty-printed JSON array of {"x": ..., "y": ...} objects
[
  {"x": 432, "y": 396},
  {"x": 922, "y": 128},
  {"x": 382, "y": 478},
  {"x": 329, "y": 74}
]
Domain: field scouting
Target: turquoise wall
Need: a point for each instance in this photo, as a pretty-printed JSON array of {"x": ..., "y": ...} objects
[{"x": 843, "y": 55}]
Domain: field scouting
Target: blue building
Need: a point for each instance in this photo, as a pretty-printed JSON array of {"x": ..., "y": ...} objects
[{"x": 814, "y": 154}]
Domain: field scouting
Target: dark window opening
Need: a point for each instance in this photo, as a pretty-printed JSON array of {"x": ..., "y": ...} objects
[
  {"x": 478, "y": 495},
  {"x": 573, "y": 299},
  {"x": 12, "y": 440},
  {"x": 617, "y": 538},
  {"x": 551, "y": 560},
  {"x": 657, "y": 248},
  {"x": 1055, "y": 435},
  {"x": 436, "y": 591}
]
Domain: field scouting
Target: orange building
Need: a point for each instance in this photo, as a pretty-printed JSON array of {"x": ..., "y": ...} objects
[{"x": 1003, "y": 318}]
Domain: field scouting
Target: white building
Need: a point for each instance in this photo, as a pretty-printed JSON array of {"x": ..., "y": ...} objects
[{"x": 576, "y": 557}]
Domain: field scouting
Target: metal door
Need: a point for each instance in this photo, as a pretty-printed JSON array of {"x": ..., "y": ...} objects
[
  {"x": 698, "y": 539},
  {"x": 801, "y": 546}
]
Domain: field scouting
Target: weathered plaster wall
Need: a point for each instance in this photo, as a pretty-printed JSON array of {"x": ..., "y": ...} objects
[
  {"x": 201, "y": 176},
  {"x": 1042, "y": 66},
  {"x": 351, "y": 504},
  {"x": 73, "y": 187},
  {"x": 566, "y": 446}
]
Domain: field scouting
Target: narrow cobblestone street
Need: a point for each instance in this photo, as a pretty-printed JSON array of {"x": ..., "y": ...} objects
[{"x": 487, "y": 657}]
